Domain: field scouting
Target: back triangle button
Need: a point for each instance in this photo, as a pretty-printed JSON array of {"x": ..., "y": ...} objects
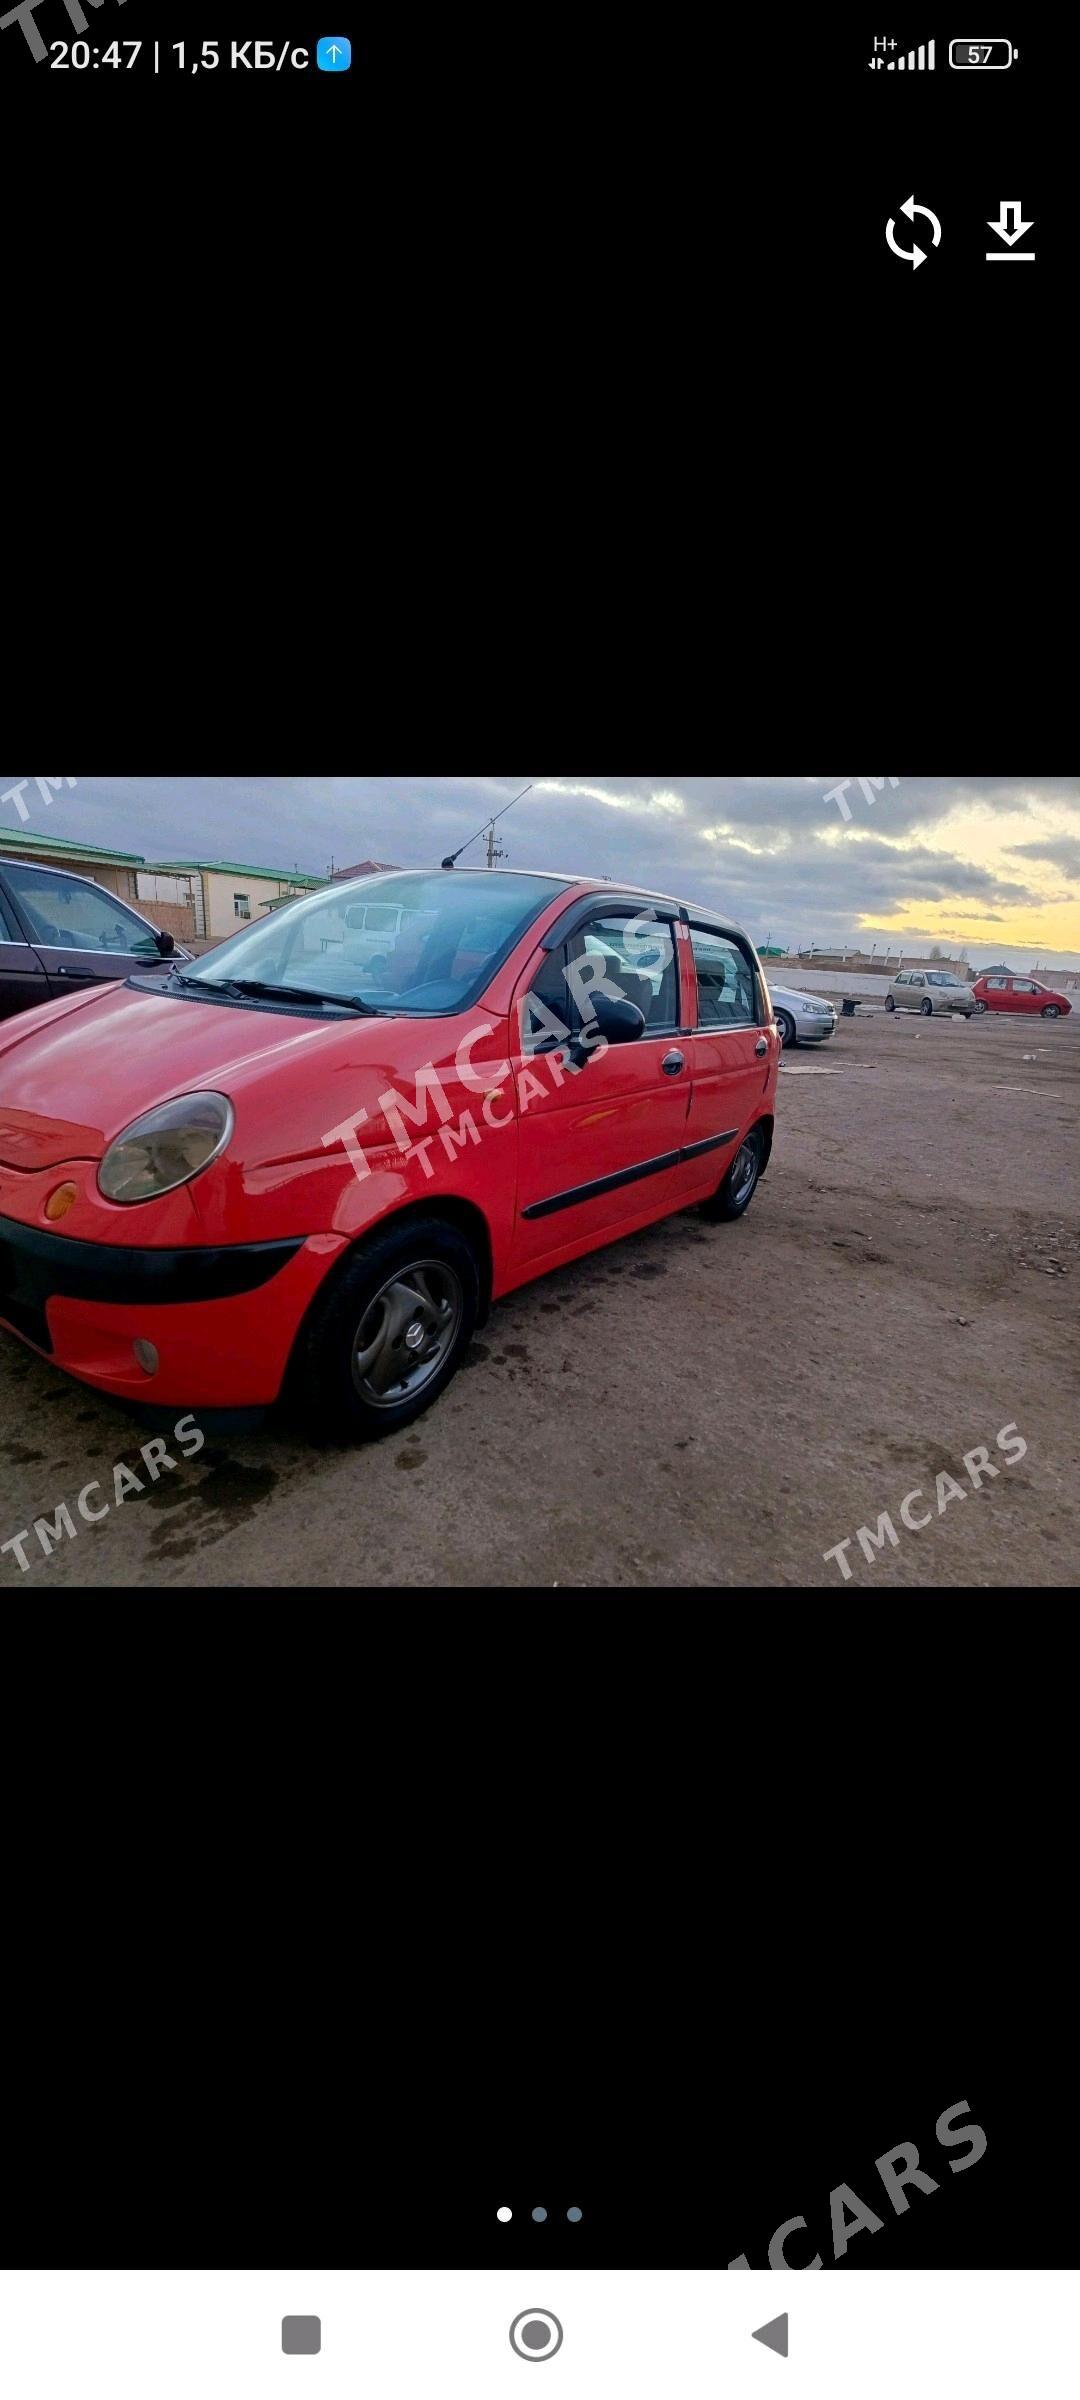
[{"x": 774, "y": 2335}]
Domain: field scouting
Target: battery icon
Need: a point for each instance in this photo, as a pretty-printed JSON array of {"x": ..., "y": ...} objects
[{"x": 982, "y": 54}]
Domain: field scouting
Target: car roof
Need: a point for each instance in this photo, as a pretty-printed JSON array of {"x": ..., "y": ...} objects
[
  {"x": 581, "y": 883},
  {"x": 584, "y": 885}
]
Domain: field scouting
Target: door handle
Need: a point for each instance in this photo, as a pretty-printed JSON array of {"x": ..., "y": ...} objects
[
  {"x": 760, "y": 1047},
  {"x": 673, "y": 1062}
]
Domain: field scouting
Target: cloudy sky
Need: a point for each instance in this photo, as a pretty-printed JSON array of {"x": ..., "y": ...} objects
[{"x": 989, "y": 862}]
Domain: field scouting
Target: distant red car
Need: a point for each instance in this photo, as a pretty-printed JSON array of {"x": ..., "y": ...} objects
[
  {"x": 1020, "y": 995},
  {"x": 306, "y": 1158}
]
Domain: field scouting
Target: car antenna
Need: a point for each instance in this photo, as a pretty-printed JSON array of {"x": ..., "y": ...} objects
[{"x": 474, "y": 837}]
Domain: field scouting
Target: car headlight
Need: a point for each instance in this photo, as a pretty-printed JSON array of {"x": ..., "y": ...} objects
[
  {"x": 166, "y": 1147},
  {"x": 818, "y": 1008}
]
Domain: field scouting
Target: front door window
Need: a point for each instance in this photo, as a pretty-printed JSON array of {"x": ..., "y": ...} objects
[{"x": 64, "y": 913}]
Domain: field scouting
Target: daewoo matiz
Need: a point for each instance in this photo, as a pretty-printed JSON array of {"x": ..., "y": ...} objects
[{"x": 302, "y": 1166}]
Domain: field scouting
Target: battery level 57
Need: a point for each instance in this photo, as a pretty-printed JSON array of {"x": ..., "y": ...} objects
[{"x": 982, "y": 54}]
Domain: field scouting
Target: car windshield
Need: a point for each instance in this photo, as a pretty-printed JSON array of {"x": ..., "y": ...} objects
[
  {"x": 408, "y": 945},
  {"x": 950, "y": 979}
]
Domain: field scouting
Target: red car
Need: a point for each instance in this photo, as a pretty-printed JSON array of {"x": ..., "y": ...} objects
[
  {"x": 1021, "y": 995},
  {"x": 308, "y": 1163}
]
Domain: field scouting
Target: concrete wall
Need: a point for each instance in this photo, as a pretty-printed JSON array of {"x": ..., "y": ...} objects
[
  {"x": 857, "y": 962},
  {"x": 830, "y": 983}
]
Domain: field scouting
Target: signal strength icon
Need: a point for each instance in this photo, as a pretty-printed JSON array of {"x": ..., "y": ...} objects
[{"x": 916, "y": 62}]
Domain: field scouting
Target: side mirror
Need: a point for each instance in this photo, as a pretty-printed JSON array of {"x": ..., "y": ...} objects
[
  {"x": 616, "y": 1020},
  {"x": 611, "y": 1021},
  {"x": 165, "y": 943}
]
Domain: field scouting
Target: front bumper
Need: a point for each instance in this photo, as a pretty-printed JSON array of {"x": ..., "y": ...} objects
[
  {"x": 222, "y": 1319},
  {"x": 814, "y": 1029}
]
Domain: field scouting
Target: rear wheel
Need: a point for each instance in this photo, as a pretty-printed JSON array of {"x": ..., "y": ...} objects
[
  {"x": 741, "y": 1181},
  {"x": 1051, "y": 1012},
  {"x": 388, "y": 1332},
  {"x": 785, "y": 1026},
  {"x": 926, "y": 1008}
]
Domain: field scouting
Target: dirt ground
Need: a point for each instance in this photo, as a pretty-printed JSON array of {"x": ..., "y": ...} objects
[{"x": 698, "y": 1405}]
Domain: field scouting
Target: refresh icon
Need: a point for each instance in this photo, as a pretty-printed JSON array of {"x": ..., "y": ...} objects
[{"x": 909, "y": 208}]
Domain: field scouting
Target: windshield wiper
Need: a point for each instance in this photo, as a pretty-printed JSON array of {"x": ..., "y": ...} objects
[{"x": 250, "y": 987}]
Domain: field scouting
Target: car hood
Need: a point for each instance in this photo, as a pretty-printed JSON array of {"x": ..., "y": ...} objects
[
  {"x": 780, "y": 991},
  {"x": 74, "y": 1073}
]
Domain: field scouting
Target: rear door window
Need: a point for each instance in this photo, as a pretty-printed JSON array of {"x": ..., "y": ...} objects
[{"x": 726, "y": 981}]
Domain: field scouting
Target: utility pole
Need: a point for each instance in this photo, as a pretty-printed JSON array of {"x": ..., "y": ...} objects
[{"x": 493, "y": 849}]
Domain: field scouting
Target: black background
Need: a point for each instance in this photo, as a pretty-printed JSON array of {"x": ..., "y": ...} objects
[
  {"x": 531, "y": 307},
  {"x": 334, "y": 1928}
]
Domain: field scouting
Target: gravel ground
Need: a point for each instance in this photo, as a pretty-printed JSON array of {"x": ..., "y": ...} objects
[{"x": 697, "y": 1405}]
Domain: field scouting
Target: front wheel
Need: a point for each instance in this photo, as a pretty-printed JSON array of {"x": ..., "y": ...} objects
[
  {"x": 388, "y": 1331},
  {"x": 890, "y": 1003},
  {"x": 741, "y": 1181},
  {"x": 926, "y": 1008},
  {"x": 785, "y": 1027},
  {"x": 1051, "y": 1012},
  {"x": 980, "y": 1008}
]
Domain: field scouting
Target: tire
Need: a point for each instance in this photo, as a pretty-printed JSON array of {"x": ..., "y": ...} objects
[
  {"x": 740, "y": 1183},
  {"x": 1050, "y": 1012},
  {"x": 926, "y": 1008},
  {"x": 890, "y": 1004},
  {"x": 785, "y": 1026},
  {"x": 422, "y": 1273},
  {"x": 980, "y": 1008}
]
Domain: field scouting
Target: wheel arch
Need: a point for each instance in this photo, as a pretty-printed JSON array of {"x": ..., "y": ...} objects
[
  {"x": 469, "y": 1219},
  {"x": 462, "y": 1214}
]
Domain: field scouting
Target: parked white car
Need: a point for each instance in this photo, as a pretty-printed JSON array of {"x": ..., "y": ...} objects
[
  {"x": 801, "y": 1016},
  {"x": 932, "y": 992}
]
